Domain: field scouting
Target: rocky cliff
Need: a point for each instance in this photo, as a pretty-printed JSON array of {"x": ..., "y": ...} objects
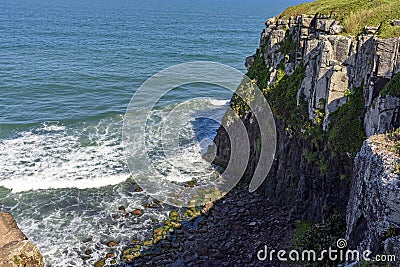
[
  {"x": 373, "y": 216},
  {"x": 328, "y": 93},
  {"x": 335, "y": 65},
  {"x": 15, "y": 249}
]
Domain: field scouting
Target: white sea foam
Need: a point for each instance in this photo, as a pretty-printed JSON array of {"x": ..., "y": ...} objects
[
  {"x": 50, "y": 127},
  {"x": 183, "y": 162},
  {"x": 66, "y": 223},
  {"x": 216, "y": 102},
  {"x": 47, "y": 167},
  {"x": 53, "y": 156},
  {"x": 21, "y": 184}
]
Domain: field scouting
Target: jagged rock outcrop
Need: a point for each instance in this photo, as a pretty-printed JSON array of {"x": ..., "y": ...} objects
[
  {"x": 15, "y": 249},
  {"x": 335, "y": 64},
  {"x": 373, "y": 216}
]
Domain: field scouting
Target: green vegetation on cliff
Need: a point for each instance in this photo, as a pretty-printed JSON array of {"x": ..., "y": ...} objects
[
  {"x": 346, "y": 131},
  {"x": 345, "y": 134},
  {"x": 282, "y": 96},
  {"x": 320, "y": 236},
  {"x": 354, "y": 15},
  {"x": 326, "y": 155},
  {"x": 392, "y": 88},
  {"x": 259, "y": 72}
]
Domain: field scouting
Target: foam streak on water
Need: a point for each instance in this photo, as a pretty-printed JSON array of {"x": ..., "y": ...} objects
[{"x": 54, "y": 156}]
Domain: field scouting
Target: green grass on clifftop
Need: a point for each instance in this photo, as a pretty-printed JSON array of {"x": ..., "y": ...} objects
[{"x": 354, "y": 15}]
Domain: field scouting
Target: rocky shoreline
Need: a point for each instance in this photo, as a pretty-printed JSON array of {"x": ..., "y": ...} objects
[{"x": 228, "y": 234}]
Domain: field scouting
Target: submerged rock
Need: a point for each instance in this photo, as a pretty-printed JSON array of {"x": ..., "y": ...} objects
[
  {"x": 138, "y": 189},
  {"x": 174, "y": 215},
  {"x": 121, "y": 208}
]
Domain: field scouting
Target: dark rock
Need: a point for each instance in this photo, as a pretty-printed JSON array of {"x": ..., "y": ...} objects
[
  {"x": 249, "y": 61},
  {"x": 121, "y": 208},
  {"x": 138, "y": 189}
]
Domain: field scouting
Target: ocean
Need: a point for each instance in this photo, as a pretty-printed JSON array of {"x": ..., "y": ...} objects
[{"x": 68, "y": 70}]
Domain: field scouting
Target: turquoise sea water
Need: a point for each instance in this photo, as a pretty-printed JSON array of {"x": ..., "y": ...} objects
[{"x": 68, "y": 70}]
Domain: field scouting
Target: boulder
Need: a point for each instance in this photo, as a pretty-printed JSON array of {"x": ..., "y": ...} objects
[
  {"x": 324, "y": 24},
  {"x": 249, "y": 61},
  {"x": 306, "y": 21},
  {"x": 15, "y": 249},
  {"x": 335, "y": 28}
]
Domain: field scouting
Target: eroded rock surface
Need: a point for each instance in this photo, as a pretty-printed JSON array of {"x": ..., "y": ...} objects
[
  {"x": 15, "y": 249},
  {"x": 373, "y": 216}
]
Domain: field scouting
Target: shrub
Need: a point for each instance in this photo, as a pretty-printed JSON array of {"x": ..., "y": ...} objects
[
  {"x": 319, "y": 236},
  {"x": 282, "y": 96},
  {"x": 392, "y": 88},
  {"x": 354, "y": 22},
  {"x": 310, "y": 156},
  {"x": 346, "y": 129},
  {"x": 259, "y": 71}
]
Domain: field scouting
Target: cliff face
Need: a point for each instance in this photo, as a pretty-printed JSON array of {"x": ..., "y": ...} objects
[
  {"x": 339, "y": 96},
  {"x": 373, "y": 216},
  {"x": 336, "y": 64},
  {"x": 15, "y": 249}
]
